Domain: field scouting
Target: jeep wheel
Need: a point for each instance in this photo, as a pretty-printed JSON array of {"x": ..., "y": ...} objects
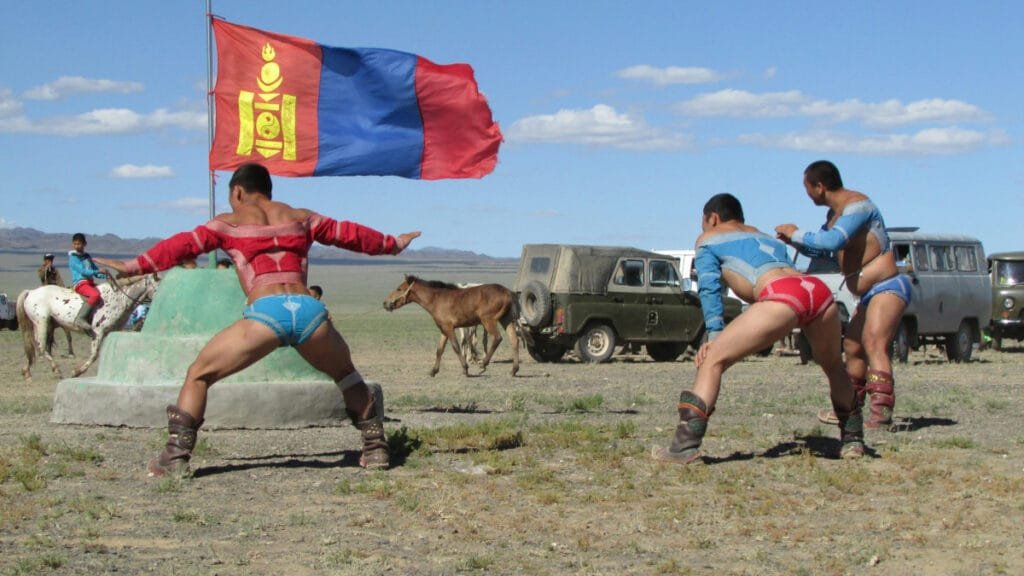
[
  {"x": 665, "y": 351},
  {"x": 959, "y": 345},
  {"x": 544, "y": 350},
  {"x": 596, "y": 344},
  {"x": 535, "y": 304},
  {"x": 900, "y": 350}
]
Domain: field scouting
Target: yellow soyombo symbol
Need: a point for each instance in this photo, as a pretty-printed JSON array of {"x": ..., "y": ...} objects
[{"x": 267, "y": 123}]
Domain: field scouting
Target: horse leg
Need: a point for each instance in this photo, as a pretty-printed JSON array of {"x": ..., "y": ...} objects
[
  {"x": 491, "y": 327},
  {"x": 441, "y": 344},
  {"x": 97, "y": 339},
  {"x": 43, "y": 334},
  {"x": 459, "y": 352},
  {"x": 71, "y": 350},
  {"x": 513, "y": 339}
]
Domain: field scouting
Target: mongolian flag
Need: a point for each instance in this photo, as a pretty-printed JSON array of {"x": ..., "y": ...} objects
[{"x": 302, "y": 109}]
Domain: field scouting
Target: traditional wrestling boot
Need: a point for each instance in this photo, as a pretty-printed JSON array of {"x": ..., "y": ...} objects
[
  {"x": 183, "y": 429},
  {"x": 883, "y": 399},
  {"x": 375, "y": 445},
  {"x": 84, "y": 319},
  {"x": 859, "y": 391},
  {"x": 851, "y": 433},
  {"x": 693, "y": 422}
]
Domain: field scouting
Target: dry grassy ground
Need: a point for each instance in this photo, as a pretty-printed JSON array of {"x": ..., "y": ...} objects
[{"x": 546, "y": 473}]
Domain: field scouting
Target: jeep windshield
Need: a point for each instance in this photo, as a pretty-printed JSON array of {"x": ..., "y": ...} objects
[{"x": 1009, "y": 273}]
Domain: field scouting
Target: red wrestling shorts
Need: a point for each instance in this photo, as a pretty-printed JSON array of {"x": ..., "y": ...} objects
[{"x": 808, "y": 296}]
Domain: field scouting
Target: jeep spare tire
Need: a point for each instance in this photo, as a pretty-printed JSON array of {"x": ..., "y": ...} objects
[{"x": 535, "y": 304}]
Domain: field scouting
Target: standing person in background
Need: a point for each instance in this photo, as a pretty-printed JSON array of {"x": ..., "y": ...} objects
[
  {"x": 757, "y": 268},
  {"x": 316, "y": 292},
  {"x": 49, "y": 275},
  {"x": 269, "y": 242},
  {"x": 83, "y": 280},
  {"x": 854, "y": 234}
]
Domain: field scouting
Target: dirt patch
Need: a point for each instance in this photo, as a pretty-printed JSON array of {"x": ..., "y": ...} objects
[{"x": 541, "y": 474}]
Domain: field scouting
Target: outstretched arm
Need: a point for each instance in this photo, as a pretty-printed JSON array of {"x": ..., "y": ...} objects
[
  {"x": 167, "y": 253},
  {"x": 356, "y": 237},
  {"x": 403, "y": 241}
]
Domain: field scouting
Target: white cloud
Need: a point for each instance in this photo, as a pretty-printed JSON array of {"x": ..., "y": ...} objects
[
  {"x": 598, "y": 126},
  {"x": 188, "y": 205},
  {"x": 108, "y": 121},
  {"x": 69, "y": 85},
  {"x": 10, "y": 107},
  {"x": 670, "y": 75},
  {"x": 770, "y": 72},
  {"x": 793, "y": 103},
  {"x": 931, "y": 141},
  {"x": 743, "y": 104},
  {"x": 147, "y": 171},
  {"x": 5, "y": 223}
]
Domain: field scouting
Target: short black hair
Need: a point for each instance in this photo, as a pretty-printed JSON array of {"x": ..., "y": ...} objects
[
  {"x": 824, "y": 172},
  {"x": 79, "y": 236},
  {"x": 253, "y": 178},
  {"x": 47, "y": 256},
  {"x": 225, "y": 262},
  {"x": 317, "y": 290},
  {"x": 727, "y": 207}
]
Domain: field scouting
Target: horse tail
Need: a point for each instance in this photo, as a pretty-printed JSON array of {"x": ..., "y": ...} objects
[{"x": 27, "y": 328}]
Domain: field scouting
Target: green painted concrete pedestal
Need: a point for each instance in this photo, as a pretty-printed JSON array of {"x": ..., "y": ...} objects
[{"x": 140, "y": 373}]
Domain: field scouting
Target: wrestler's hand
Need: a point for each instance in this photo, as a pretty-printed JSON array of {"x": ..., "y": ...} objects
[
  {"x": 785, "y": 232},
  {"x": 403, "y": 241},
  {"x": 702, "y": 354}
]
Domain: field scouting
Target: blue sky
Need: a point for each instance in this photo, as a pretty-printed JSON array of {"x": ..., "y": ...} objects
[{"x": 620, "y": 118}]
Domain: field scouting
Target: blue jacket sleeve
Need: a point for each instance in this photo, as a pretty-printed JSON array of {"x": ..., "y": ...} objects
[
  {"x": 853, "y": 218},
  {"x": 82, "y": 268},
  {"x": 709, "y": 279}
]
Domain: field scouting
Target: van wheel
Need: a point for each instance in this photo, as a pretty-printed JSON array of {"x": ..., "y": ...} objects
[
  {"x": 900, "y": 350},
  {"x": 596, "y": 344},
  {"x": 665, "y": 351},
  {"x": 535, "y": 304},
  {"x": 959, "y": 345}
]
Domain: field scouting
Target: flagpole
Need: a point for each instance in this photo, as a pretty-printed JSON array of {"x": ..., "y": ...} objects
[{"x": 209, "y": 113}]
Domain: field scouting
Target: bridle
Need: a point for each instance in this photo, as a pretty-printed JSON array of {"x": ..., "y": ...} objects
[
  {"x": 405, "y": 295},
  {"x": 118, "y": 288}
]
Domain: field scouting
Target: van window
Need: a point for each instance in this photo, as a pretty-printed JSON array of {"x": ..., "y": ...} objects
[
  {"x": 921, "y": 257},
  {"x": 941, "y": 258},
  {"x": 966, "y": 258},
  {"x": 630, "y": 273},
  {"x": 663, "y": 274}
]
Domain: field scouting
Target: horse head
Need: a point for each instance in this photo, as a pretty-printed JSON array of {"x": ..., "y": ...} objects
[{"x": 400, "y": 296}]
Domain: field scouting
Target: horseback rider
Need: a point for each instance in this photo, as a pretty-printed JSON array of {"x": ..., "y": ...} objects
[{"x": 84, "y": 272}]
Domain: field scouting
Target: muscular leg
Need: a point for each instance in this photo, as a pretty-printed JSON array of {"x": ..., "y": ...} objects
[
  {"x": 762, "y": 324},
  {"x": 230, "y": 350},
  {"x": 327, "y": 351},
  {"x": 824, "y": 333},
  {"x": 870, "y": 364}
]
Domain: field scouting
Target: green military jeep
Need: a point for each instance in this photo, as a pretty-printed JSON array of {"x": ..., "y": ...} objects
[
  {"x": 1007, "y": 269},
  {"x": 594, "y": 298}
]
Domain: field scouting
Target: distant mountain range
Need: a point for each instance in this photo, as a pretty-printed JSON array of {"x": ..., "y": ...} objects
[{"x": 30, "y": 240}]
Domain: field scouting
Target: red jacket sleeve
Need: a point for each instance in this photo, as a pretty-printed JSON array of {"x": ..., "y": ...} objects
[
  {"x": 170, "y": 252},
  {"x": 350, "y": 236}
]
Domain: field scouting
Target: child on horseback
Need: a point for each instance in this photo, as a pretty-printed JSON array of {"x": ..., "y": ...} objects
[{"x": 83, "y": 274}]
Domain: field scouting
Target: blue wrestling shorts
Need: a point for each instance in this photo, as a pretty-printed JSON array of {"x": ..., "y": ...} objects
[
  {"x": 898, "y": 285},
  {"x": 292, "y": 317}
]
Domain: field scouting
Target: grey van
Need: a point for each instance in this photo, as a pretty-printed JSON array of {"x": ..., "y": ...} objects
[
  {"x": 1007, "y": 269},
  {"x": 952, "y": 292}
]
